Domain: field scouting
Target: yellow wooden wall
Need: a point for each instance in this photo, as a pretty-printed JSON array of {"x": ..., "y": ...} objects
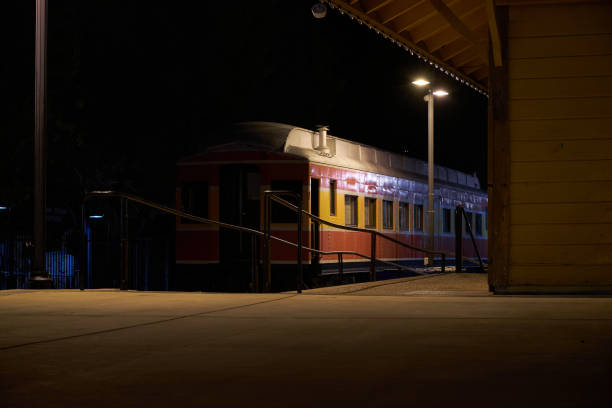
[{"x": 560, "y": 135}]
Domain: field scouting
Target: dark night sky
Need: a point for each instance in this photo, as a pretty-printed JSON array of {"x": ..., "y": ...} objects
[{"x": 133, "y": 86}]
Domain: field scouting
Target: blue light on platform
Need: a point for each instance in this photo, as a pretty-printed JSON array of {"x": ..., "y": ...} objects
[{"x": 96, "y": 216}]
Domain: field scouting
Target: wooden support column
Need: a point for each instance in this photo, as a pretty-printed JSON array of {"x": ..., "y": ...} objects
[
  {"x": 499, "y": 163},
  {"x": 494, "y": 33}
]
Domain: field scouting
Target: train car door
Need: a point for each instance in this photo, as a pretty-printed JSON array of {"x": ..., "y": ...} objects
[
  {"x": 239, "y": 187},
  {"x": 315, "y": 186}
]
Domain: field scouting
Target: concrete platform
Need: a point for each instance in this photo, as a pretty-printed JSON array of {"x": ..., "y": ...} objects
[
  {"x": 461, "y": 284},
  {"x": 106, "y": 348}
]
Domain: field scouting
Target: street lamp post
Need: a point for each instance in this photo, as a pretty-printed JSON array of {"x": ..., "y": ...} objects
[
  {"x": 429, "y": 98},
  {"x": 39, "y": 278},
  {"x": 430, "y": 172}
]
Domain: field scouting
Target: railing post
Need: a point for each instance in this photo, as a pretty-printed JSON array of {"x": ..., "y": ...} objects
[
  {"x": 373, "y": 257},
  {"x": 83, "y": 249},
  {"x": 254, "y": 274},
  {"x": 340, "y": 267},
  {"x": 299, "y": 245},
  {"x": 124, "y": 246},
  {"x": 458, "y": 239},
  {"x": 167, "y": 260},
  {"x": 443, "y": 263},
  {"x": 469, "y": 229},
  {"x": 267, "y": 224}
]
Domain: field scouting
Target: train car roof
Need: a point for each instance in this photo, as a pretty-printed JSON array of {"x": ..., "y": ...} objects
[{"x": 283, "y": 138}]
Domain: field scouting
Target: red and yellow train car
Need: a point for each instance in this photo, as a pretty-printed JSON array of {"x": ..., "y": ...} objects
[{"x": 341, "y": 181}]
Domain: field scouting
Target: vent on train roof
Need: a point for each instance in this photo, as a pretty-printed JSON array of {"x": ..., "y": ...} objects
[{"x": 322, "y": 147}]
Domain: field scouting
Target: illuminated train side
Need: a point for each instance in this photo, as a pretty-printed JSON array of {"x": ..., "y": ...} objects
[{"x": 341, "y": 181}]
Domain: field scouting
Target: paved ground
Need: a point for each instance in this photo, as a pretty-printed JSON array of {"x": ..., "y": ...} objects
[
  {"x": 461, "y": 284},
  {"x": 429, "y": 347}
]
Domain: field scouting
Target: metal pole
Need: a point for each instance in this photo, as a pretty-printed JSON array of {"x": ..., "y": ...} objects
[
  {"x": 468, "y": 227},
  {"x": 83, "y": 248},
  {"x": 373, "y": 258},
  {"x": 254, "y": 278},
  {"x": 300, "y": 276},
  {"x": 39, "y": 277},
  {"x": 124, "y": 246},
  {"x": 458, "y": 239},
  {"x": 430, "y": 173},
  {"x": 443, "y": 263},
  {"x": 267, "y": 242},
  {"x": 167, "y": 260},
  {"x": 12, "y": 247}
]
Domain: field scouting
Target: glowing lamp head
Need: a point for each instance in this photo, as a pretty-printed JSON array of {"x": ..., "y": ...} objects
[
  {"x": 440, "y": 92},
  {"x": 96, "y": 216},
  {"x": 420, "y": 82},
  {"x": 3, "y": 208}
]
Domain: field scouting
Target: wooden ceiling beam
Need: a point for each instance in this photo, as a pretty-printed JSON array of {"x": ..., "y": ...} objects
[
  {"x": 465, "y": 59},
  {"x": 374, "y": 5},
  {"x": 541, "y": 2},
  {"x": 442, "y": 39},
  {"x": 469, "y": 69},
  {"x": 417, "y": 16},
  {"x": 397, "y": 9},
  {"x": 460, "y": 44},
  {"x": 454, "y": 48},
  {"x": 356, "y": 4},
  {"x": 448, "y": 35},
  {"x": 434, "y": 19},
  {"x": 481, "y": 73},
  {"x": 438, "y": 22}
]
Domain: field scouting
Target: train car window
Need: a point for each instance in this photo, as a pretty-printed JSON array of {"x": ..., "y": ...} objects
[
  {"x": 418, "y": 217},
  {"x": 332, "y": 197},
  {"x": 478, "y": 225},
  {"x": 194, "y": 200},
  {"x": 350, "y": 210},
  {"x": 404, "y": 216},
  {"x": 446, "y": 220},
  {"x": 387, "y": 214},
  {"x": 280, "y": 213},
  {"x": 370, "y": 212}
]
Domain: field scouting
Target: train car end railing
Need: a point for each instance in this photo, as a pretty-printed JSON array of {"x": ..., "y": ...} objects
[{"x": 271, "y": 195}]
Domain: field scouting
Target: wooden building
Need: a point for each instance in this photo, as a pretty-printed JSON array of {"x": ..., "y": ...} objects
[{"x": 547, "y": 68}]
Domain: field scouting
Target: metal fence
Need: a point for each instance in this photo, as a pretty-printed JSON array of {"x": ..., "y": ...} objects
[
  {"x": 151, "y": 263},
  {"x": 61, "y": 261}
]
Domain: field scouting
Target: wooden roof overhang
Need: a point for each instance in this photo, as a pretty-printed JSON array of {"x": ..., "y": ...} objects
[{"x": 452, "y": 35}]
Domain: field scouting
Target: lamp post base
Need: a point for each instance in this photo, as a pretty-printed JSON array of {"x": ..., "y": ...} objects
[{"x": 40, "y": 281}]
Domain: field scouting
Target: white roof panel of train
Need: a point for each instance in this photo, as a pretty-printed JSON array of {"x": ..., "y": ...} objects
[{"x": 270, "y": 136}]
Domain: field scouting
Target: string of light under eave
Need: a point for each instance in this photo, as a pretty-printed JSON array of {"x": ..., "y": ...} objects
[{"x": 412, "y": 51}]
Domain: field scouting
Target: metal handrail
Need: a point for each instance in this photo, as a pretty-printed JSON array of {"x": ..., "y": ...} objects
[
  {"x": 164, "y": 208},
  {"x": 380, "y": 234},
  {"x": 469, "y": 228},
  {"x": 320, "y": 252},
  {"x": 182, "y": 214},
  {"x": 374, "y": 233},
  {"x": 357, "y": 229}
]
